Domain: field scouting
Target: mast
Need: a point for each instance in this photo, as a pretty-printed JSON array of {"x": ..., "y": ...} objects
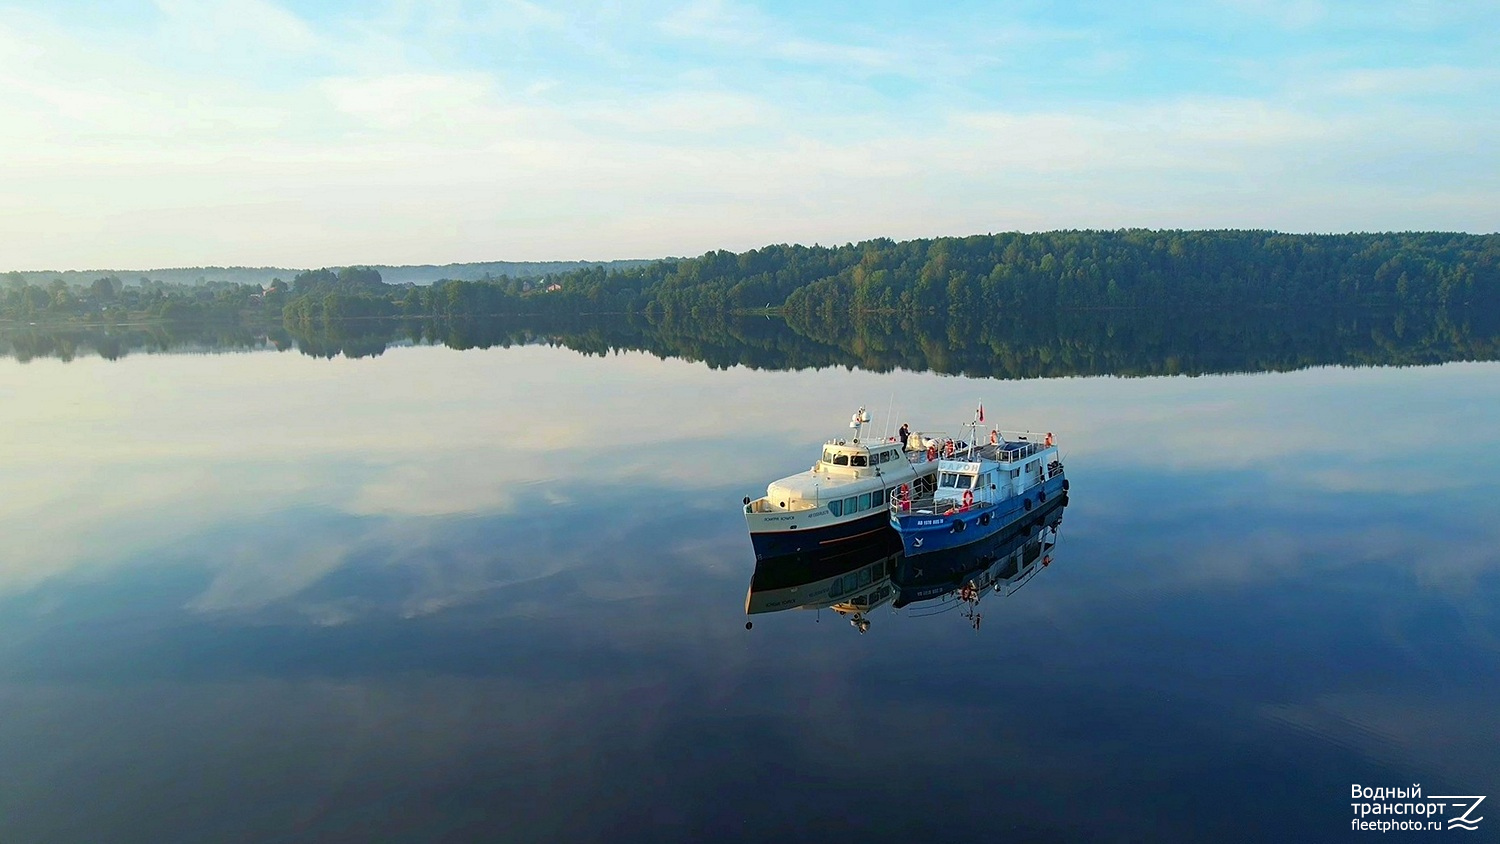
[{"x": 973, "y": 427}]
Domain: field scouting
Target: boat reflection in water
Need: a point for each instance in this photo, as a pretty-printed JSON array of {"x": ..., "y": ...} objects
[
  {"x": 856, "y": 579},
  {"x": 851, "y": 580}
]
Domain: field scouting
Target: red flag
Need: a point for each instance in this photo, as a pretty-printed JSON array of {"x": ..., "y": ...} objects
[{"x": 981, "y": 411}]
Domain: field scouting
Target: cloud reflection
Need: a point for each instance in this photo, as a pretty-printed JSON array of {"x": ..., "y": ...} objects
[{"x": 169, "y": 448}]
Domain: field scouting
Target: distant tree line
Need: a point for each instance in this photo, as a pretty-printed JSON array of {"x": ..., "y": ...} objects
[
  {"x": 819, "y": 289},
  {"x": 977, "y": 275},
  {"x": 109, "y": 299}
]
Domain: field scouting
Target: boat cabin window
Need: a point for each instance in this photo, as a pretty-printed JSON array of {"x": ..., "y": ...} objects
[
  {"x": 864, "y": 501},
  {"x": 878, "y": 497},
  {"x": 836, "y": 508},
  {"x": 841, "y": 460},
  {"x": 953, "y": 480},
  {"x": 849, "y": 505},
  {"x": 860, "y": 460}
]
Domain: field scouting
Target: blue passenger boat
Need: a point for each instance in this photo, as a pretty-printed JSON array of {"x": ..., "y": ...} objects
[{"x": 981, "y": 489}]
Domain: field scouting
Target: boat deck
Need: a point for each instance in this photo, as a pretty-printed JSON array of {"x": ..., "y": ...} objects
[{"x": 1003, "y": 452}]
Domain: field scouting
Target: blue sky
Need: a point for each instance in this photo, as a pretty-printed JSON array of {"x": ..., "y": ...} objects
[{"x": 148, "y": 134}]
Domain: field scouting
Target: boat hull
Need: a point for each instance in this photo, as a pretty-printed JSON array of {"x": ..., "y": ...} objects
[
  {"x": 781, "y": 538},
  {"x": 927, "y": 533}
]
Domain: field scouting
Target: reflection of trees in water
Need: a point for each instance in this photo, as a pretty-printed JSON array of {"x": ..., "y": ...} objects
[
  {"x": 1055, "y": 343},
  {"x": 1012, "y": 344},
  {"x": 114, "y": 342}
]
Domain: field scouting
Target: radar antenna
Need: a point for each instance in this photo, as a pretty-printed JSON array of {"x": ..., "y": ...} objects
[{"x": 861, "y": 418}]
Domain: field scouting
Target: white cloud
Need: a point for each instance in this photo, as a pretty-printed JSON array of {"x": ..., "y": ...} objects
[
  {"x": 747, "y": 29},
  {"x": 257, "y": 575},
  {"x": 431, "y": 102},
  {"x": 214, "y": 25},
  {"x": 1288, "y": 14},
  {"x": 359, "y": 140},
  {"x": 1402, "y": 81}
]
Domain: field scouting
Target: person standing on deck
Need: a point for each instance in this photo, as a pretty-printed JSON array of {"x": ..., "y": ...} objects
[{"x": 905, "y": 435}]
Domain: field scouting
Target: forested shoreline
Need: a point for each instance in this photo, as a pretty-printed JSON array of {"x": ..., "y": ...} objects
[
  {"x": 819, "y": 288},
  {"x": 979, "y": 275}
]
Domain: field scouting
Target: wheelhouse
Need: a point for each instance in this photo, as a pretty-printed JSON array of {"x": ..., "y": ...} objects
[{"x": 838, "y": 455}]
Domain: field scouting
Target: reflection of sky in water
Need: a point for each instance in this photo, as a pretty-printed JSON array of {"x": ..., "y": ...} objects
[{"x": 246, "y": 594}]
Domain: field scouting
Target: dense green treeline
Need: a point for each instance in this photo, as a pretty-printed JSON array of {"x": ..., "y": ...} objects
[
  {"x": 1154, "y": 269},
  {"x": 819, "y": 287},
  {"x": 1047, "y": 343},
  {"x": 982, "y": 275}
]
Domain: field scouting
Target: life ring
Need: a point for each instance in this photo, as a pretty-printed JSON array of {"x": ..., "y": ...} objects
[
  {"x": 994, "y": 438},
  {"x": 1065, "y": 484},
  {"x": 1028, "y": 505},
  {"x": 948, "y": 449},
  {"x": 904, "y": 493},
  {"x": 932, "y": 452},
  {"x": 1041, "y": 497},
  {"x": 968, "y": 498},
  {"x": 1049, "y": 438},
  {"x": 984, "y": 519}
]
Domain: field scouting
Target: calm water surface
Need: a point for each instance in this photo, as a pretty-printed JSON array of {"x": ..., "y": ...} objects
[{"x": 499, "y": 594}]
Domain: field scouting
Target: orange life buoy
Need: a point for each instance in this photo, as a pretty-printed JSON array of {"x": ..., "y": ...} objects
[
  {"x": 932, "y": 452},
  {"x": 904, "y": 493},
  {"x": 948, "y": 449},
  {"x": 968, "y": 498}
]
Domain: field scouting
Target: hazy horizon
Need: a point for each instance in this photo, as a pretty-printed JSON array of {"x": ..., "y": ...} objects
[
  {"x": 285, "y": 268},
  {"x": 668, "y": 257}
]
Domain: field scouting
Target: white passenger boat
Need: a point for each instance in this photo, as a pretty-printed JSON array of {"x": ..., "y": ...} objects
[{"x": 844, "y": 496}]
